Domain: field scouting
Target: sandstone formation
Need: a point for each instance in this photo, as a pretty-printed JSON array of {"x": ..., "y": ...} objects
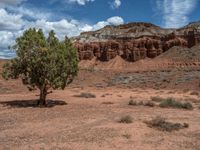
[{"x": 133, "y": 41}]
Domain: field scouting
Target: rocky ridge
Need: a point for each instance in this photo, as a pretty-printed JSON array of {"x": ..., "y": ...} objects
[{"x": 134, "y": 41}]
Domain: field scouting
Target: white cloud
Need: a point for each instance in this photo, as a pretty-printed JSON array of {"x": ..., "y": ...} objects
[
  {"x": 62, "y": 27},
  {"x": 10, "y": 2},
  {"x": 116, "y": 4},
  {"x": 7, "y": 38},
  {"x": 80, "y": 2},
  {"x": 10, "y": 21},
  {"x": 175, "y": 12},
  {"x": 99, "y": 25},
  {"x": 115, "y": 20}
]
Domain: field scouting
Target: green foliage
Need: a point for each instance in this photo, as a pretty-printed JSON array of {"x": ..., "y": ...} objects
[
  {"x": 170, "y": 102},
  {"x": 126, "y": 119},
  {"x": 163, "y": 125},
  {"x": 132, "y": 102},
  {"x": 157, "y": 99},
  {"x": 41, "y": 62}
]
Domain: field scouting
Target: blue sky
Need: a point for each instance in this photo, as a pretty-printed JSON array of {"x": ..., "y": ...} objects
[{"x": 71, "y": 17}]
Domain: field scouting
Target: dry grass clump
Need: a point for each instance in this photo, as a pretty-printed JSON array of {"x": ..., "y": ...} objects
[
  {"x": 132, "y": 103},
  {"x": 141, "y": 103},
  {"x": 149, "y": 104},
  {"x": 194, "y": 93},
  {"x": 107, "y": 103},
  {"x": 157, "y": 99},
  {"x": 171, "y": 102},
  {"x": 186, "y": 90},
  {"x": 126, "y": 119},
  {"x": 163, "y": 125},
  {"x": 127, "y": 136},
  {"x": 86, "y": 95}
]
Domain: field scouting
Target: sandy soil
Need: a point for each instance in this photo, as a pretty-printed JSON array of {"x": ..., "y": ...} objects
[{"x": 92, "y": 124}]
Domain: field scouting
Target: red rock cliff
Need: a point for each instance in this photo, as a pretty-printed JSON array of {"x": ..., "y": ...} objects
[{"x": 133, "y": 41}]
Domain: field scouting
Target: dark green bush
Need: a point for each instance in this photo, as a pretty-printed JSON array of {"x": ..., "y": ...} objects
[
  {"x": 171, "y": 102},
  {"x": 163, "y": 125},
  {"x": 132, "y": 102},
  {"x": 157, "y": 99},
  {"x": 126, "y": 119}
]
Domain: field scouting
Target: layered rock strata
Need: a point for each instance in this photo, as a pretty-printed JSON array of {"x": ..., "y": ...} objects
[{"x": 133, "y": 41}]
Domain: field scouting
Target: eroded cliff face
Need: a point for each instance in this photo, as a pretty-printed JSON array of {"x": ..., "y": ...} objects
[{"x": 133, "y": 41}]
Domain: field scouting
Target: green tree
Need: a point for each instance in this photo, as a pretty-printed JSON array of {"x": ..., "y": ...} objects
[{"x": 42, "y": 63}]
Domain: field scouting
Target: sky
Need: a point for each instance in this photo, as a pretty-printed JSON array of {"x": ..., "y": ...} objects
[{"x": 71, "y": 17}]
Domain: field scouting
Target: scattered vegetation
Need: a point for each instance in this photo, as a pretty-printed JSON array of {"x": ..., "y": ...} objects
[
  {"x": 86, "y": 95},
  {"x": 171, "y": 102},
  {"x": 141, "y": 103},
  {"x": 163, "y": 125},
  {"x": 126, "y": 119}
]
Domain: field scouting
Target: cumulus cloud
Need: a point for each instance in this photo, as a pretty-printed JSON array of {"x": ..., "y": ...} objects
[
  {"x": 80, "y": 2},
  {"x": 116, "y": 4},
  {"x": 175, "y": 12},
  {"x": 7, "y": 38},
  {"x": 10, "y": 21},
  {"x": 115, "y": 20}
]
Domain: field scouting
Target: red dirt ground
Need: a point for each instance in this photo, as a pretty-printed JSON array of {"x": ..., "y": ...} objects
[{"x": 92, "y": 124}]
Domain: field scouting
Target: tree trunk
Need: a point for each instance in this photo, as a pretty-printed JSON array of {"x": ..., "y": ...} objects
[{"x": 43, "y": 94}]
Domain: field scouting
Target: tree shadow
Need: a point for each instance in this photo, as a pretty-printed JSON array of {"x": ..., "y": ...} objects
[{"x": 32, "y": 103}]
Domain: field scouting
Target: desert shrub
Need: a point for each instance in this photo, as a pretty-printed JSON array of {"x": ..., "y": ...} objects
[
  {"x": 194, "y": 93},
  {"x": 171, "y": 102},
  {"x": 127, "y": 136},
  {"x": 126, "y": 119},
  {"x": 141, "y": 103},
  {"x": 149, "y": 103},
  {"x": 163, "y": 125},
  {"x": 86, "y": 95},
  {"x": 132, "y": 102},
  {"x": 157, "y": 99},
  {"x": 108, "y": 103},
  {"x": 187, "y": 105},
  {"x": 185, "y": 90}
]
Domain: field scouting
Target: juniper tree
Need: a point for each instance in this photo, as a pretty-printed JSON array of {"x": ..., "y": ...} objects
[{"x": 42, "y": 63}]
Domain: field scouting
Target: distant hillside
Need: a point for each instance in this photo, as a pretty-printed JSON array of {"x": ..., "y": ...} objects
[{"x": 134, "y": 41}]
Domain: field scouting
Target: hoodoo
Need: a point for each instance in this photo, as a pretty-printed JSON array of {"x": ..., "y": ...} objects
[{"x": 134, "y": 41}]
